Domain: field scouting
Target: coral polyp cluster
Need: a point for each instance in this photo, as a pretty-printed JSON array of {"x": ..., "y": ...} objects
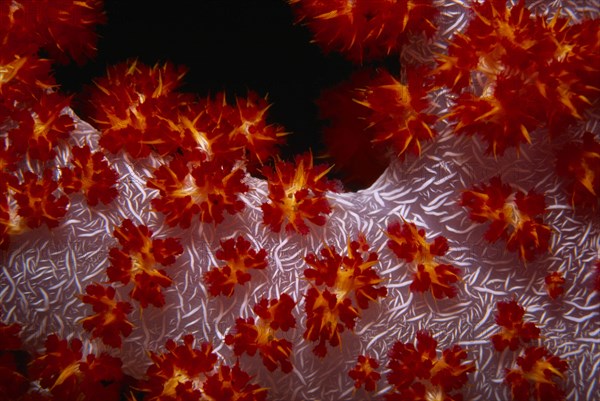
[{"x": 508, "y": 53}]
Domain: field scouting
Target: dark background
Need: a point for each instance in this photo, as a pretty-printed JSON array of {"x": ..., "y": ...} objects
[{"x": 228, "y": 45}]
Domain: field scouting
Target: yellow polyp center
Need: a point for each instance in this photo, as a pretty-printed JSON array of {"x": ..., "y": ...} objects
[
  {"x": 344, "y": 282},
  {"x": 590, "y": 175},
  {"x": 87, "y": 173},
  {"x": 537, "y": 372},
  {"x": 179, "y": 376},
  {"x": 435, "y": 394},
  {"x": 109, "y": 316},
  {"x": 236, "y": 265},
  {"x": 9, "y": 71},
  {"x": 199, "y": 136},
  {"x": 144, "y": 261},
  {"x": 189, "y": 188},
  {"x": 290, "y": 206},
  {"x": 72, "y": 369},
  {"x": 16, "y": 224},
  {"x": 265, "y": 333}
]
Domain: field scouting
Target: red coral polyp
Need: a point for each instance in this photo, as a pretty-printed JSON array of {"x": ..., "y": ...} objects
[
  {"x": 138, "y": 261},
  {"x": 417, "y": 373},
  {"x": 364, "y": 373},
  {"x": 232, "y": 384},
  {"x": 397, "y": 116},
  {"x": 61, "y": 370},
  {"x": 41, "y": 129},
  {"x": 37, "y": 201},
  {"x": 327, "y": 316},
  {"x": 207, "y": 188},
  {"x": 297, "y": 195},
  {"x": 180, "y": 372},
  {"x": 135, "y": 106},
  {"x": 67, "y": 28},
  {"x": 352, "y": 275},
  {"x": 515, "y": 217},
  {"x": 508, "y": 54},
  {"x": 365, "y": 29},
  {"x": 351, "y": 284},
  {"x": 249, "y": 337},
  {"x": 579, "y": 164},
  {"x": 555, "y": 282},
  {"x": 261, "y": 139},
  {"x": 536, "y": 375},
  {"x": 239, "y": 258},
  {"x": 91, "y": 174},
  {"x": 514, "y": 331},
  {"x": 109, "y": 322},
  {"x": 409, "y": 243}
]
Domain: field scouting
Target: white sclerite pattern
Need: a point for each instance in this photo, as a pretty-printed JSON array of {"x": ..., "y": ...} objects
[{"x": 44, "y": 270}]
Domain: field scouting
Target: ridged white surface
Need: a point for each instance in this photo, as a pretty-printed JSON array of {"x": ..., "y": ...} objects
[{"x": 44, "y": 270}]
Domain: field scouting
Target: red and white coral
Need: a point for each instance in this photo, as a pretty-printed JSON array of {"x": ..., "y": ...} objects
[
  {"x": 409, "y": 243},
  {"x": 514, "y": 330},
  {"x": 297, "y": 195},
  {"x": 536, "y": 374},
  {"x": 139, "y": 261},
  {"x": 109, "y": 321},
  {"x": 91, "y": 174},
  {"x": 515, "y": 216},
  {"x": 250, "y": 337},
  {"x": 417, "y": 373},
  {"x": 239, "y": 258}
]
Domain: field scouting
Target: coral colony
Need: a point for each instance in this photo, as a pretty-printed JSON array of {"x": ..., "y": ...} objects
[{"x": 204, "y": 151}]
